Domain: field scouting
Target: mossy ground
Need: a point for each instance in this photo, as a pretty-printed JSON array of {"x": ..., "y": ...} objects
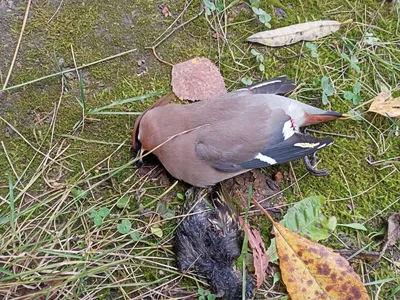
[{"x": 98, "y": 29}]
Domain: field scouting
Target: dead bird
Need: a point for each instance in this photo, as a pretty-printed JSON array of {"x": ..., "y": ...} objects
[{"x": 209, "y": 241}]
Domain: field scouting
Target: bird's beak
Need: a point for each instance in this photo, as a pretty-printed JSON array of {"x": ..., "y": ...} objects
[{"x": 139, "y": 157}]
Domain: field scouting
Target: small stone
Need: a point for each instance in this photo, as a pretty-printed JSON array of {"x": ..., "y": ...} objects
[{"x": 280, "y": 13}]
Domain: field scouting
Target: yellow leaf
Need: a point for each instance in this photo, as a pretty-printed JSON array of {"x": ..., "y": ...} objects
[
  {"x": 157, "y": 231},
  {"x": 312, "y": 271},
  {"x": 385, "y": 105}
]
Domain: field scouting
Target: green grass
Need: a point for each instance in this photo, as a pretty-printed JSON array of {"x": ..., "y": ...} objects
[{"x": 49, "y": 242}]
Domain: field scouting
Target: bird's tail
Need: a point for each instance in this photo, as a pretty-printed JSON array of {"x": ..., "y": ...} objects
[
  {"x": 278, "y": 86},
  {"x": 226, "y": 218}
]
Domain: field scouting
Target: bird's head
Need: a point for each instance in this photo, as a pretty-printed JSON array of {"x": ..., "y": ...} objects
[{"x": 142, "y": 129}]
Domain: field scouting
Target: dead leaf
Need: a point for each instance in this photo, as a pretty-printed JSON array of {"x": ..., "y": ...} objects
[
  {"x": 393, "y": 233},
  {"x": 312, "y": 271},
  {"x": 197, "y": 79},
  {"x": 385, "y": 105},
  {"x": 288, "y": 35},
  {"x": 260, "y": 257}
]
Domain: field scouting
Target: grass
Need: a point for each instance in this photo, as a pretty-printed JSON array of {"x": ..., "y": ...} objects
[{"x": 67, "y": 153}]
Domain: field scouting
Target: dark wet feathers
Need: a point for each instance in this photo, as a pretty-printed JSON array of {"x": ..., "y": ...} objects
[{"x": 209, "y": 241}]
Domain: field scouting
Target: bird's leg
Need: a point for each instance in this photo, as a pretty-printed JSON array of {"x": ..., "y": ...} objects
[{"x": 310, "y": 166}]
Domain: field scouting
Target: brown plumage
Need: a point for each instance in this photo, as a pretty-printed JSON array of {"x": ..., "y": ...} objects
[{"x": 210, "y": 141}]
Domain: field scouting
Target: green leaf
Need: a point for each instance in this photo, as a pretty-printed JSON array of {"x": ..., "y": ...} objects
[
  {"x": 93, "y": 213},
  {"x": 123, "y": 201},
  {"x": 212, "y": 297},
  {"x": 324, "y": 99},
  {"x": 256, "y": 10},
  {"x": 306, "y": 219},
  {"x": 357, "y": 226},
  {"x": 261, "y": 67},
  {"x": 255, "y": 52},
  {"x": 311, "y": 46},
  {"x": 348, "y": 95},
  {"x": 163, "y": 210},
  {"x": 246, "y": 81},
  {"x": 326, "y": 86},
  {"x": 78, "y": 193},
  {"x": 98, "y": 220},
  {"x": 219, "y": 5},
  {"x": 316, "y": 81},
  {"x": 124, "y": 227},
  {"x": 255, "y": 3},
  {"x": 353, "y": 60},
  {"x": 180, "y": 196},
  {"x": 272, "y": 252},
  {"x": 345, "y": 56},
  {"x": 356, "y": 99},
  {"x": 200, "y": 291},
  {"x": 276, "y": 278},
  {"x": 314, "y": 54},
  {"x": 135, "y": 236},
  {"x": 168, "y": 214},
  {"x": 355, "y": 67},
  {"x": 357, "y": 88},
  {"x": 264, "y": 18},
  {"x": 104, "y": 212},
  {"x": 157, "y": 231},
  {"x": 209, "y": 4}
]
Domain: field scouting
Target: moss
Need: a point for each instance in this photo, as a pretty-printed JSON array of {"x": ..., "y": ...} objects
[{"x": 99, "y": 29}]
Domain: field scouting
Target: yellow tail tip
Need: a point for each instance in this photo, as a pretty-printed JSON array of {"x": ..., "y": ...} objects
[{"x": 347, "y": 116}]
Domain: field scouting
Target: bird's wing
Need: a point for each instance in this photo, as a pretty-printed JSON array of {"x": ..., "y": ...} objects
[
  {"x": 261, "y": 141},
  {"x": 297, "y": 146},
  {"x": 278, "y": 86}
]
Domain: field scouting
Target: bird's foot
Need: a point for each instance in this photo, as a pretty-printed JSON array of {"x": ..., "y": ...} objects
[{"x": 310, "y": 166}]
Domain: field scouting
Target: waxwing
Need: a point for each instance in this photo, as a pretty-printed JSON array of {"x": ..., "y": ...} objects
[{"x": 206, "y": 142}]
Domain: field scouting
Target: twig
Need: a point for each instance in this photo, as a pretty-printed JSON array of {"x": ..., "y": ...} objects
[
  {"x": 58, "y": 8},
  {"x": 67, "y": 71},
  {"x": 169, "y": 34},
  {"x": 18, "y": 44}
]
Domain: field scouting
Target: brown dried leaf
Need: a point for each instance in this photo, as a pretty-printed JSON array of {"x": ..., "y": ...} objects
[
  {"x": 385, "y": 105},
  {"x": 312, "y": 271},
  {"x": 288, "y": 35},
  {"x": 197, "y": 79},
  {"x": 260, "y": 257},
  {"x": 393, "y": 233}
]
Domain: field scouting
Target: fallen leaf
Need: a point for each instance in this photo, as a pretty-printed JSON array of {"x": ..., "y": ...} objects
[
  {"x": 157, "y": 231},
  {"x": 278, "y": 177},
  {"x": 305, "y": 219},
  {"x": 197, "y": 79},
  {"x": 312, "y": 271},
  {"x": 385, "y": 105},
  {"x": 260, "y": 257},
  {"x": 288, "y": 35},
  {"x": 393, "y": 232}
]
